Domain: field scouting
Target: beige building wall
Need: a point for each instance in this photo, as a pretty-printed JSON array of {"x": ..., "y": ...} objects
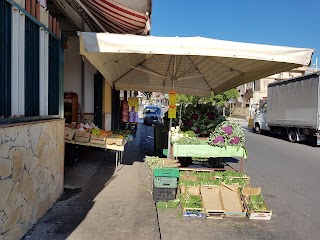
[{"x": 31, "y": 174}]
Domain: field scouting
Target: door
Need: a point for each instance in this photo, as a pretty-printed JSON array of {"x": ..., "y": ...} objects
[
  {"x": 98, "y": 95},
  {"x": 263, "y": 117}
]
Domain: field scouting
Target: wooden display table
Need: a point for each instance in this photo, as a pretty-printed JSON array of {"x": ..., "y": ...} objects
[{"x": 118, "y": 148}]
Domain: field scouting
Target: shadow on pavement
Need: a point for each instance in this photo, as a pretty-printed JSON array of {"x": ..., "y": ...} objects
[{"x": 85, "y": 180}]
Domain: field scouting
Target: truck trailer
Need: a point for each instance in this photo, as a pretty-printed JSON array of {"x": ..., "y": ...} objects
[{"x": 292, "y": 109}]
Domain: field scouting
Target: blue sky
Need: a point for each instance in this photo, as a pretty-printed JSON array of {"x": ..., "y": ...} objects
[{"x": 294, "y": 23}]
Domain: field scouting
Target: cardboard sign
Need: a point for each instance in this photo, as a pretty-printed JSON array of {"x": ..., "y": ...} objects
[
  {"x": 172, "y": 98},
  {"x": 134, "y": 102},
  {"x": 172, "y": 111}
]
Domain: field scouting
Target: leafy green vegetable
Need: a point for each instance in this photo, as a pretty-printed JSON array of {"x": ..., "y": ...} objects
[
  {"x": 191, "y": 201},
  {"x": 169, "y": 204},
  {"x": 256, "y": 203}
]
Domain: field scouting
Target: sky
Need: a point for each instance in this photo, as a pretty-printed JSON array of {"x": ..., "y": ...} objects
[{"x": 292, "y": 23}]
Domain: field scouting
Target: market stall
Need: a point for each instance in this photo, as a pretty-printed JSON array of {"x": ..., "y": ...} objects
[{"x": 91, "y": 136}]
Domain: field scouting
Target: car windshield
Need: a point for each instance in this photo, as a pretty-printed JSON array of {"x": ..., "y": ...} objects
[{"x": 152, "y": 110}]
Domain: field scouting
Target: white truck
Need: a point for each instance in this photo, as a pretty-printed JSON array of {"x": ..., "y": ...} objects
[{"x": 292, "y": 109}]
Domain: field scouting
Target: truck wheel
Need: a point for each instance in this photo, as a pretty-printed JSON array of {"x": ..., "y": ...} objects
[
  {"x": 292, "y": 136},
  {"x": 257, "y": 128}
]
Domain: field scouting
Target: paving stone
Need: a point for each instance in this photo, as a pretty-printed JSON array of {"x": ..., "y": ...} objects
[
  {"x": 11, "y": 132},
  {"x": 5, "y": 186},
  {"x": 4, "y": 149},
  {"x": 18, "y": 164},
  {"x": 11, "y": 200},
  {"x": 12, "y": 220},
  {"x": 22, "y": 138},
  {"x": 34, "y": 133},
  {"x": 5, "y": 168}
]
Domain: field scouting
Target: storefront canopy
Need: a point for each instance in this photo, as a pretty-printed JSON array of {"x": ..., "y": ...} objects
[
  {"x": 117, "y": 17},
  {"x": 189, "y": 65}
]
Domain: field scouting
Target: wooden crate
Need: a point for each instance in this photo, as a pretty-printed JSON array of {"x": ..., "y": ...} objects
[
  {"x": 232, "y": 201},
  {"x": 212, "y": 202},
  {"x": 115, "y": 140},
  {"x": 247, "y": 192},
  {"x": 82, "y": 136},
  {"x": 69, "y": 133},
  {"x": 98, "y": 139}
]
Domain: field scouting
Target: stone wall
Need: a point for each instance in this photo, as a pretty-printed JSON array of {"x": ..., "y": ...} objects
[
  {"x": 31, "y": 174},
  {"x": 241, "y": 112}
]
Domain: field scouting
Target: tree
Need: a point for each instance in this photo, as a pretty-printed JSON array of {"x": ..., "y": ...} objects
[{"x": 220, "y": 99}]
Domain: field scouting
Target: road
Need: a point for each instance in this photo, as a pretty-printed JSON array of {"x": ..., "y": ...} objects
[{"x": 289, "y": 176}]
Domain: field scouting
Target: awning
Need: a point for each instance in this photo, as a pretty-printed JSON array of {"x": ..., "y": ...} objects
[
  {"x": 118, "y": 18},
  {"x": 189, "y": 65}
]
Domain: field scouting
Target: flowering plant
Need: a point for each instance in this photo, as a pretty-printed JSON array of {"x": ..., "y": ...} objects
[{"x": 227, "y": 133}]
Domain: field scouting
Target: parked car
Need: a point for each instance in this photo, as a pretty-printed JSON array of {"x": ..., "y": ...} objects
[{"x": 152, "y": 115}]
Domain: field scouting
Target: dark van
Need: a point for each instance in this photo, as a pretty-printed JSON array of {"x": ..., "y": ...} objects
[{"x": 152, "y": 115}]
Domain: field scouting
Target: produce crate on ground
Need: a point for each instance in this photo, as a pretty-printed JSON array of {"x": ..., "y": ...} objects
[
  {"x": 193, "y": 212},
  {"x": 255, "y": 204},
  {"x": 232, "y": 201},
  {"x": 164, "y": 194},
  {"x": 191, "y": 202},
  {"x": 165, "y": 182},
  {"x": 212, "y": 202},
  {"x": 166, "y": 172}
]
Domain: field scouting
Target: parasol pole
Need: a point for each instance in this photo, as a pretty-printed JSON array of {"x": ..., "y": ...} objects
[{"x": 170, "y": 122}]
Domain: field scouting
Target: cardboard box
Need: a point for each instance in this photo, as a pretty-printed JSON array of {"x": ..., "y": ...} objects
[
  {"x": 247, "y": 192},
  {"x": 193, "y": 212},
  {"x": 232, "y": 201},
  {"x": 82, "y": 136},
  {"x": 69, "y": 133},
  {"x": 212, "y": 202}
]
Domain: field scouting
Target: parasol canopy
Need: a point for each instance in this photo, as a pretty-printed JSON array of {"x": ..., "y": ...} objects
[{"x": 190, "y": 65}]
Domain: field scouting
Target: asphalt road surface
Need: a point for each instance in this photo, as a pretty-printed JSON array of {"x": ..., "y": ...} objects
[{"x": 289, "y": 174}]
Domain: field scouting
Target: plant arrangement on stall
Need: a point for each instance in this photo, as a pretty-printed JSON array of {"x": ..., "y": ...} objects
[
  {"x": 227, "y": 133},
  {"x": 183, "y": 137}
]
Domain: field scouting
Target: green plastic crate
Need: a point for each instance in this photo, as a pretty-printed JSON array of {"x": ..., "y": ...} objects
[
  {"x": 165, "y": 182},
  {"x": 166, "y": 172}
]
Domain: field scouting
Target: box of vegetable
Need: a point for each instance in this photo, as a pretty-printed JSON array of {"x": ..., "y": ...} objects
[
  {"x": 191, "y": 205},
  {"x": 255, "y": 204}
]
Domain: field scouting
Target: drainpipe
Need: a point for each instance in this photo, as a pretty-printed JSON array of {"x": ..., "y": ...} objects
[{"x": 82, "y": 86}]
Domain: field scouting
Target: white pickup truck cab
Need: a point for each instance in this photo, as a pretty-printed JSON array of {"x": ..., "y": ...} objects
[{"x": 260, "y": 120}]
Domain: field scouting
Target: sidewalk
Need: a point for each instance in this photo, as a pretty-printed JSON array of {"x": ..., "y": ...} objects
[{"x": 100, "y": 205}]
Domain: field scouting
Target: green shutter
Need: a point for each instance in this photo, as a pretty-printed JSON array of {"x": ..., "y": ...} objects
[
  {"x": 31, "y": 69},
  {"x": 5, "y": 59}
]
